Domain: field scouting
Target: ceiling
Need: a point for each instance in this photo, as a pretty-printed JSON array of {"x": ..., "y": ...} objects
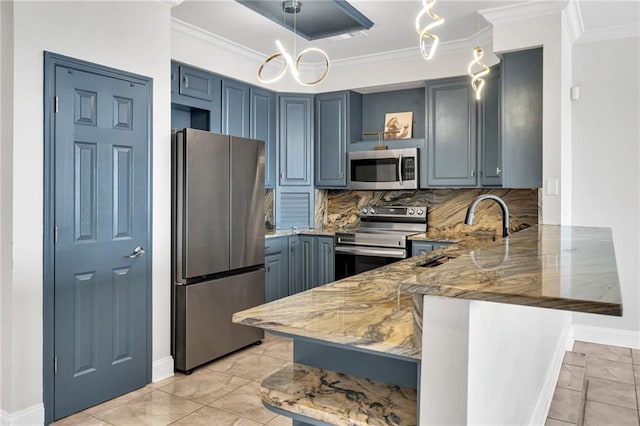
[{"x": 393, "y": 27}]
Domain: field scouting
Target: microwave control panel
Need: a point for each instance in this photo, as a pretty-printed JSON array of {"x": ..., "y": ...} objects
[{"x": 409, "y": 168}]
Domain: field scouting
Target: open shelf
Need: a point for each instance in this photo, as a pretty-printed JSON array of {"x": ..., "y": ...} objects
[{"x": 303, "y": 392}]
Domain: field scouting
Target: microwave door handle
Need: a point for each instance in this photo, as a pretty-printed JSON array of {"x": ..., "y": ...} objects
[{"x": 400, "y": 169}]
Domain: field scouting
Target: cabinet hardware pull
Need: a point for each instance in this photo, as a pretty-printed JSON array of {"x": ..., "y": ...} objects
[{"x": 498, "y": 170}]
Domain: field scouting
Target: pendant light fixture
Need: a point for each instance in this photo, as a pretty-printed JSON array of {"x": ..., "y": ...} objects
[
  {"x": 425, "y": 35},
  {"x": 292, "y": 7},
  {"x": 477, "y": 82}
]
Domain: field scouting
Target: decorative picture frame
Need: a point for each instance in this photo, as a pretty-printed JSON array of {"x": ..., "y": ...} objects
[{"x": 398, "y": 125}]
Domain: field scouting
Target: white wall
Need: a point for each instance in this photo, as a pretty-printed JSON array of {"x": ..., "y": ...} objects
[
  {"x": 515, "y": 354},
  {"x": 6, "y": 179},
  {"x": 200, "y": 49},
  {"x": 488, "y": 363},
  {"x": 606, "y": 161},
  {"x": 132, "y": 36}
]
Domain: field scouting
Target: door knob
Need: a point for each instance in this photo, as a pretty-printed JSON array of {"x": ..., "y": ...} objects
[{"x": 138, "y": 251}]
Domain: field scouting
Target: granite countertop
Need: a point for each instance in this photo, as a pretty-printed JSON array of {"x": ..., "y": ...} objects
[
  {"x": 571, "y": 268},
  {"x": 562, "y": 267}
]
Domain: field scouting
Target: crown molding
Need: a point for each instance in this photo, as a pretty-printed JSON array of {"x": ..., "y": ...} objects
[
  {"x": 215, "y": 40},
  {"x": 482, "y": 37},
  {"x": 610, "y": 33},
  {"x": 572, "y": 17},
  {"x": 171, "y": 3},
  {"x": 519, "y": 11}
]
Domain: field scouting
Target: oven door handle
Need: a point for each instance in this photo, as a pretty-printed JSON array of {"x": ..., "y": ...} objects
[
  {"x": 364, "y": 243},
  {"x": 369, "y": 251},
  {"x": 400, "y": 169}
]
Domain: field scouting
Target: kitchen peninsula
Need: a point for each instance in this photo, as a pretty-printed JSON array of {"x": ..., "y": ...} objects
[{"x": 371, "y": 325}]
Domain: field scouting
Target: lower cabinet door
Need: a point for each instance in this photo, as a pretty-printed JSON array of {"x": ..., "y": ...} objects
[
  {"x": 276, "y": 283},
  {"x": 325, "y": 256},
  {"x": 295, "y": 266},
  {"x": 307, "y": 257}
]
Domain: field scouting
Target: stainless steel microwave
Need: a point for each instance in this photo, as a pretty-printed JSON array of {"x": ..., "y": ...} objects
[{"x": 383, "y": 169}]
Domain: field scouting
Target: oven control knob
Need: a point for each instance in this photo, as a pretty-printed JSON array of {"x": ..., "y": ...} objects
[
  {"x": 411, "y": 211},
  {"x": 372, "y": 210},
  {"x": 420, "y": 211},
  {"x": 364, "y": 210}
]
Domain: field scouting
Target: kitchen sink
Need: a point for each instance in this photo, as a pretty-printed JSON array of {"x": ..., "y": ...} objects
[{"x": 438, "y": 260}]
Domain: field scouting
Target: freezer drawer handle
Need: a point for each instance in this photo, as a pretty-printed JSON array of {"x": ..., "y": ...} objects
[{"x": 137, "y": 252}]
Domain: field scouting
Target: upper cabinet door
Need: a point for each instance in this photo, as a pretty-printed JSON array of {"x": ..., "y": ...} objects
[
  {"x": 295, "y": 131},
  {"x": 451, "y": 133},
  {"x": 263, "y": 127},
  {"x": 330, "y": 140},
  {"x": 199, "y": 84},
  {"x": 338, "y": 122},
  {"x": 489, "y": 138},
  {"x": 175, "y": 76},
  {"x": 235, "y": 108},
  {"x": 521, "y": 77}
]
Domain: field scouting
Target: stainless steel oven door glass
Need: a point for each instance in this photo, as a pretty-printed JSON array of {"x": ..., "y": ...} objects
[
  {"x": 383, "y": 169},
  {"x": 355, "y": 260}
]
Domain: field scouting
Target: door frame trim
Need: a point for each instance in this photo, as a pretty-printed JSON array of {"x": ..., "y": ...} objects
[{"x": 51, "y": 61}]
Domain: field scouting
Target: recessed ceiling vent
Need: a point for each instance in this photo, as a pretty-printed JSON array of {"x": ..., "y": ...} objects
[{"x": 314, "y": 19}]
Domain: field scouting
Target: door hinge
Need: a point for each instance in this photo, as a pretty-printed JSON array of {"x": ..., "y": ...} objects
[
  {"x": 55, "y": 234},
  {"x": 55, "y": 104},
  {"x": 55, "y": 365}
]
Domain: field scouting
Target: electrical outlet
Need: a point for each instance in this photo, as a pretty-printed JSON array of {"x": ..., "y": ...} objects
[{"x": 551, "y": 187}]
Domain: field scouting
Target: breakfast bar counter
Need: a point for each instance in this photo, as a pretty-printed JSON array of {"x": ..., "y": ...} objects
[{"x": 369, "y": 326}]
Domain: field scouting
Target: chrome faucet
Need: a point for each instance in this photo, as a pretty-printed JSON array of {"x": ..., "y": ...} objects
[{"x": 471, "y": 211}]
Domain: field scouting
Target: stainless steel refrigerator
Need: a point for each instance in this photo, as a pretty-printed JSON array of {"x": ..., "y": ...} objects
[{"x": 218, "y": 243}]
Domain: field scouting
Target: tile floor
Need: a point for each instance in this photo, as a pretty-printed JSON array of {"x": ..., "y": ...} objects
[
  {"x": 612, "y": 387},
  {"x": 226, "y": 391}
]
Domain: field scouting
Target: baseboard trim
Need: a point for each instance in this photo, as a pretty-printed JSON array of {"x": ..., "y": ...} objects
[
  {"x": 4, "y": 418},
  {"x": 33, "y": 415},
  {"x": 162, "y": 369},
  {"x": 607, "y": 336},
  {"x": 541, "y": 409}
]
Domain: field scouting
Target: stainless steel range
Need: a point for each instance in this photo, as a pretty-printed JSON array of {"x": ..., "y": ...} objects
[{"x": 380, "y": 239}]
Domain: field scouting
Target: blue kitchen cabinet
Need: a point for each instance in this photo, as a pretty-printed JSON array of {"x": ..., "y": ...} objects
[
  {"x": 295, "y": 265},
  {"x": 325, "y": 260},
  {"x": 420, "y": 247},
  {"x": 317, "y": 262},
  {"x": 276, "y": 261},
  {"x": 294, "y": 133},
  {"x": 489, "y": 135},
  {"x": 451, "y": 133},
  {"x": 263, "y": 127},
  {"x": 338, "y": 122},
  {"x": 196, "y": 100},
  {"x": 199, "y": 84},
  {"x": 521, "y": 97},
  {"x": 235, "y": 108},
  {"x": 307, "y": 265},
  {"x": 175, "y": 76}
]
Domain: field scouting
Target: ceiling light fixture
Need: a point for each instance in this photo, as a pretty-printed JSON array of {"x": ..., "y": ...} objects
[
  {"x": 425, "y": 35},
  {"x": 477, "y": 82},
  {"x": 292, "y": 7}
]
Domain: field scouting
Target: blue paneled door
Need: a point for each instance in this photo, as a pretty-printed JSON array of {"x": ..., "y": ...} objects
[{"x": 101, "y": 248}]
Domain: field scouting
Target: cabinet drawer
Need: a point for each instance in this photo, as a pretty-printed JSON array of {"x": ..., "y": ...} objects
[{"x": 275, "y": 245}]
